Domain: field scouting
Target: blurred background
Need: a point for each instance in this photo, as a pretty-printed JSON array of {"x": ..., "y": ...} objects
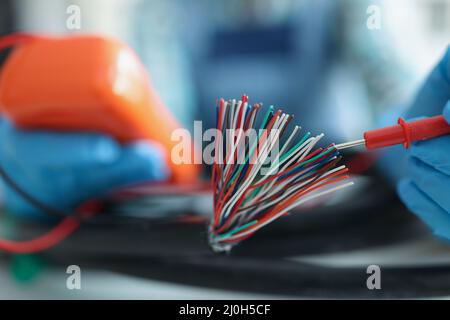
[{"x": 316, "y": 59}]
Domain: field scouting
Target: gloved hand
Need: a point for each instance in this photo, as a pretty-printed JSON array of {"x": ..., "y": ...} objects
[
  {"x": 426, "y": 189},
  {"x": 64, "y": 169}
]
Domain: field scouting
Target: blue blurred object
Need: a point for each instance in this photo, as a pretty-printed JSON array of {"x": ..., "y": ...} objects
[
  {"x": 63, "y": 169},
  {"x": 425, "y": 189},
  {"x": 282, "y": 62}
]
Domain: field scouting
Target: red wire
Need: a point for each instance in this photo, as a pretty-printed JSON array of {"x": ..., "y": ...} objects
[
  {"x": 44, "y": 242},
  {"x": 285, "y": 204},
  {"x": 302, "y": 192},
  {"x": 261, "y": 141},
  {"x": 295, "y": 164},
  {"x": 59, "y": 233}
]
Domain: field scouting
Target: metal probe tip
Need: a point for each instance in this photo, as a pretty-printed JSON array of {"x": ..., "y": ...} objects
[{"x": 350, "y": 144}]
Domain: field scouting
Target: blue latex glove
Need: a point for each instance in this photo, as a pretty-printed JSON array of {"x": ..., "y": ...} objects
[
  {"x": 426, "y": 189},
  {"x": 64, "y": 169}
]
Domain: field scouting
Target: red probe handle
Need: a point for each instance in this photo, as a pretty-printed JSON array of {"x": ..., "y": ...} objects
[{"x": 406, "y": 132}]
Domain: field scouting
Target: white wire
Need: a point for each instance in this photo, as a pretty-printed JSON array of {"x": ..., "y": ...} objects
[
  {"x": 307, "y": 145},
  {"x": 254, "y": 170},
  {"x": 288, "y": 192},
  {"x": 259, "y": 154},
  {"x": 278, "y": 215}
]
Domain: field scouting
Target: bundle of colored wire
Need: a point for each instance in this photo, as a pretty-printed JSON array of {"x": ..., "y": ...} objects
[{"x": 259, "y": 180}]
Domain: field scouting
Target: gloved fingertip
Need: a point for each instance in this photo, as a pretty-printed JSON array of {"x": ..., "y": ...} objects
[
  {"x": 150, "y": 159},
  {"x": 424, "y": 207},
  {"x": 81, "y": 149},
  {"x": 408, "y": 193},
  {"x": 433, "y": 152},
  {"x": 446, "y": 112},
  {"x": 104, "y": 148},
  {"x": 404, "y": 189}
]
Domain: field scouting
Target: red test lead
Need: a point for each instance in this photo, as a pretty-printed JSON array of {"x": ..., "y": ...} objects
[{"x": 402, "y": 133}]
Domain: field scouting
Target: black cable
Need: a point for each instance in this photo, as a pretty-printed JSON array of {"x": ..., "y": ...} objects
[
  {"x": 7, "y": 23},
  {"x": 49, "y": 210},
  {"x": 278, "y": 275}
]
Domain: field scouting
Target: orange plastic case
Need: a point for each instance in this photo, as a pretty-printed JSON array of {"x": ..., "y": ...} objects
[{"x": 88, "y": 83}]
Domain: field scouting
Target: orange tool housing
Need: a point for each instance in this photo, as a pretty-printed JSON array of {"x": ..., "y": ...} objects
[{"x": 88, "y": 83}]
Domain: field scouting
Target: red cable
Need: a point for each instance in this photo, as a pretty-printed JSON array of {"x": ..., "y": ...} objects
[{"x": 59, "y": 233}]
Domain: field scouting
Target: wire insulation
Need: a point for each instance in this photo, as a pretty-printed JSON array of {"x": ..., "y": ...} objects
[{"x": 256, "y": 178}]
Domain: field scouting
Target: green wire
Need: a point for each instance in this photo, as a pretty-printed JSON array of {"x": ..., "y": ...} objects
[
  {"x": 281, "y": 159},
  {"x": 251, "y": 196},
  {"x": 252, "y": 149},
  {"x": 318, "y": 156},
  {"x": 264, "y": 123},
  {"x": 298, "y": 166},
  {"x": 238, "y": 229},
  {"x": 306, "y": 136}
]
